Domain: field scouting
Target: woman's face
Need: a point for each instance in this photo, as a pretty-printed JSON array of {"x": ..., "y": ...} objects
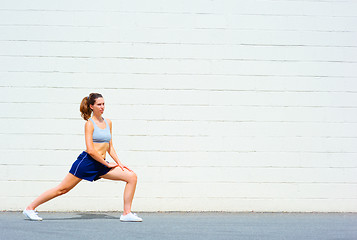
[{"x": 98, "y": 106}]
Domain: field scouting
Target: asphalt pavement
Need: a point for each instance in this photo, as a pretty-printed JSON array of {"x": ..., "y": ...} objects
[{"x": 180, "y": 225}]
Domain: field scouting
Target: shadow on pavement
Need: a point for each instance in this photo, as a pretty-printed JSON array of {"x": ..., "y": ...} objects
[{"x": 84, "y": 216}]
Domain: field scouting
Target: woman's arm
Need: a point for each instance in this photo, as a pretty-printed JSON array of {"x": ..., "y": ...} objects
[
  {"x": 88, "y": 132},
  {"x": 111, "y": 149},
  {"x": 112, "y": 152}
]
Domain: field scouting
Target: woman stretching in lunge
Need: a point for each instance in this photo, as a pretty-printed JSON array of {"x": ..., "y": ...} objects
[{"x": 91, "y": 165}]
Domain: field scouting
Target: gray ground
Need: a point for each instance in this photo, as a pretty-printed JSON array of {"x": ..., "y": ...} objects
[{"x": 180, "y": 225}]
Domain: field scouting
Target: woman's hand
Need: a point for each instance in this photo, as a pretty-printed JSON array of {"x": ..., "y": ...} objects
[
  {"x": 112, "y": 165},
  {"x": 123, "y": 166}
]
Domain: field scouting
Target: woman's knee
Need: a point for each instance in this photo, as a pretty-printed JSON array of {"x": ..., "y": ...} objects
[
  {"x": 133, "y": 177},
  {"x": 60, "y": 190}
]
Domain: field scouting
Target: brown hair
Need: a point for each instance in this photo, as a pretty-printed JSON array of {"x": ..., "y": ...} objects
[{"x": 86, "y": 111}]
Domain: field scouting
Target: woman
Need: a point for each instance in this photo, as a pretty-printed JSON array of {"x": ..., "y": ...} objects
[{"x": 91, "y": 164}]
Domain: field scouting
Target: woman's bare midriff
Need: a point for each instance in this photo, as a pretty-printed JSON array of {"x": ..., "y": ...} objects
[{"x": 101, "y": 148}]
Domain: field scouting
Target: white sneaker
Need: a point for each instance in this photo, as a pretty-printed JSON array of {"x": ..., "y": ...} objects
[
  {"x": 130, "y": 217},
  {"x": 31, "y": 214}
]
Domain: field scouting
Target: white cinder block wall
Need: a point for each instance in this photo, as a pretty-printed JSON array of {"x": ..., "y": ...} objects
[{"x": 217, "y": 105}]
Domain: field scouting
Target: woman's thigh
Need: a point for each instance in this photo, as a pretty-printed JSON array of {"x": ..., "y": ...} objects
[
  {"x": 118, "y": 174},
  {"x": 69, "y": 182}
]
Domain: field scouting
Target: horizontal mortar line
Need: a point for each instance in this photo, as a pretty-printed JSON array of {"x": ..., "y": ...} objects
[
  {"x": 258, "y": 182},
  {"x": 175, "y": 120},
  {"x": 178, "y": 13},
  {"x": 225, "y": 28},
  {"x": 187, "y": 182},
  {"x": 141, "y": 166},
  {"x": 313, "y": 1},
  {"x": 175, "y": 135},
  {"x": 242, "y": 151},
  {"x": 195, "y": 105},
  {"x": 235, "y": 166},
  {"x": 183, "y": 58},
  {"x": 138, "y": 166},
  {"x": 334, "y": 2},
  {"x": 188, "y": 120},
  {"x": 121, "y": 135},
  {"x": 179, "y": 151},
  {"x": 115, "y": 195},
  {"x": 181, "y": 43},
  {"x": 75, "y": 151},
  {"x": 296, "y": 30},
  {"x": 255, "y": 197},
  {"x": 255, "y": 90},
  {"x": 292, "y": 183},
  {"x": 255, "y": 45},
  {"x": 225, "y": 197},
  {"x": 182, "y": 89},
  {"x": 202, "y": 167},
  {"x": 183, "y": 74}
]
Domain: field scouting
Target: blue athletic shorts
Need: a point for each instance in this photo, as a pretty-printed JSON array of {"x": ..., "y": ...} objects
[{"x": 86, "y": 167}]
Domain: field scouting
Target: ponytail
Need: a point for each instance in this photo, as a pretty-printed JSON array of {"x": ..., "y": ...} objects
[{"x": 86, "y": 111}]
